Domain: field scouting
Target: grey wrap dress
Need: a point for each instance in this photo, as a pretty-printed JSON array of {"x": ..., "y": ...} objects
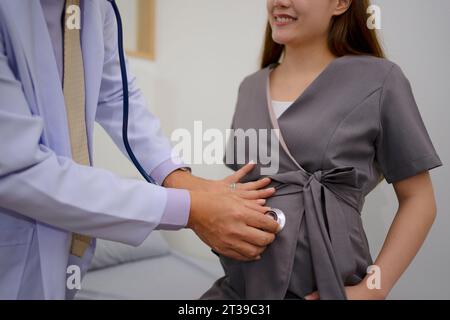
[{"x": 356, "y": 123}]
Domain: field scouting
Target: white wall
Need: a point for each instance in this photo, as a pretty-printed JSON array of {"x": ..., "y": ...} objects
[
  {"x": 416, "y": 37},
  {"x": 206, "y": 47}
]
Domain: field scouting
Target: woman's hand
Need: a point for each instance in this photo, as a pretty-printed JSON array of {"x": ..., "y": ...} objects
[
  {"x": 357, "y": 292},
  {"x": 362, "y": 292}
]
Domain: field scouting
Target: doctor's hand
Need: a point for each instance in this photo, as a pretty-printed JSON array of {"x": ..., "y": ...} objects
[
  {"x": 233, "y": 223},
  {"x": 235, "y": 178},
  {"x": 185, "y": 180}
]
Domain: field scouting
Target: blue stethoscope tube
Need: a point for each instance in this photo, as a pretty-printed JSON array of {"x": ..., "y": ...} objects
[{"x": 123, "y": 71}]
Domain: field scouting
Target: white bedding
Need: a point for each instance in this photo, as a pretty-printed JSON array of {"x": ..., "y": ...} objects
[{"x": 127, "y": 273}]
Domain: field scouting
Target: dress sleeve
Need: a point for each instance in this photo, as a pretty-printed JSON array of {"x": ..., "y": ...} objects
[
  {"x": 403, "y": 146},
  {"x": 229, "y": 158}
]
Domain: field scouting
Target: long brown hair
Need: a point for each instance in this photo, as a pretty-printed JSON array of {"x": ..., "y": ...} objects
[{"x": 348, "y": 34}]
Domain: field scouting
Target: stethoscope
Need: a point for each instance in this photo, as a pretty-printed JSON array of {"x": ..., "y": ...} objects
[
  {"x": 123, "y": 71},
  {"x": 276, "y": 214}
]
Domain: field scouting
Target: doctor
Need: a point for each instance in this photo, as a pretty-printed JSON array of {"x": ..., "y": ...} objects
[{"x": 59, "y": 72}]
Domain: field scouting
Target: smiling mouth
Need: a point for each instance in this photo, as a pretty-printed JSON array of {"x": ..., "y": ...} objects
[{"x": 284, "y": 19}]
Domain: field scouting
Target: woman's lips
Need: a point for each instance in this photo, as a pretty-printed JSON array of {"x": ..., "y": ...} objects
[{"x": 281, "y": 20}]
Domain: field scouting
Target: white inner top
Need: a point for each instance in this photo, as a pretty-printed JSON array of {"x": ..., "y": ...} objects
[{"x": 280, "y": 106}]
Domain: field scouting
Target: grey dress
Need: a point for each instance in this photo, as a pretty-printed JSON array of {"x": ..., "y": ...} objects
[{"x": 355, "y": 124}]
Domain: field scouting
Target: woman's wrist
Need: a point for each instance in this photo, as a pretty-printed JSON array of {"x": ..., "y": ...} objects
[{"x": 374, "y": 293}]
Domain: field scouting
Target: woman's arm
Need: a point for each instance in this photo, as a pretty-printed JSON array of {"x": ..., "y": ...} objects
[
  {"x": 415, "y": 215},
  {"x": 414, "y": 218}
]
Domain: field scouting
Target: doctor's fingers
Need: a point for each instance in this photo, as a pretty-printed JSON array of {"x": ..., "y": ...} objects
[
  {"x": 257, "y": 237},
  {"x": 261, "y": 221},
  {"x": 255, "y": 185},
  {"x": 254, "y": 205},
  {"x": 230, "y": 253},
  {"x": 261, "y": 202},
  {"x": 248, "y": 250},
  {"x": 241, "y": 173},
  {"x": 255, "y": 194}
]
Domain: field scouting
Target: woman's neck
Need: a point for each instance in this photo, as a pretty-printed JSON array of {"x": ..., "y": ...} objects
[{"x": 306, "y": 58}]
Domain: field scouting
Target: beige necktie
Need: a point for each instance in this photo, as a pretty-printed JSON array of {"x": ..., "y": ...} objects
[{"x": 75, "y": 100}]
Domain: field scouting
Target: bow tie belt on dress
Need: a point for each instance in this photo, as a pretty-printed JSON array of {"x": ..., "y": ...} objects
[{"x": 328, "y": 196}]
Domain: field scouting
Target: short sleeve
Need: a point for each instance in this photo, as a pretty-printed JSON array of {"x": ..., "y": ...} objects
[
  {"x": 403, "y": 146},
  {"x": 230, "y": 158}
]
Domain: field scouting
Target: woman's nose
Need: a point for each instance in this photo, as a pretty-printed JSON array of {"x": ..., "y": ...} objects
[{"x": 281, "y": 3}]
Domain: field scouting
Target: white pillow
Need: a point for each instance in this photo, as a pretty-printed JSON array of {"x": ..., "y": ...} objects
[{"x": 109, "y": 253}]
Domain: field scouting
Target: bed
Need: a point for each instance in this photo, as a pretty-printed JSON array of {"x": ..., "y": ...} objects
[{"x": 152, "y": 271}]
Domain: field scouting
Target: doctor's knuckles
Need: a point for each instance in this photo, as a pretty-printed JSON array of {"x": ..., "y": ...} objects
[{"x": 233, "y": 223}]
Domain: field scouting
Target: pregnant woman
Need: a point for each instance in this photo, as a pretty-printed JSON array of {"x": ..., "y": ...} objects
[{"x": 347, "y": 119}]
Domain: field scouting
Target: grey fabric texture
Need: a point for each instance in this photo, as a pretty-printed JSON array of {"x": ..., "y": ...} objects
[
  {"x": 357, "y": 122},
  {"x": 109, "y": 253}
]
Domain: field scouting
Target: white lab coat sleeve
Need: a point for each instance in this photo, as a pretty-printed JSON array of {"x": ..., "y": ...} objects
[
  {"x": 150, "y": 146},
  {"x": 54, "y": 190}
]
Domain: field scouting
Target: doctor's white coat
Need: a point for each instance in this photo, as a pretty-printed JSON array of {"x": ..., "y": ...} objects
[{"x": 44, "y": 195}]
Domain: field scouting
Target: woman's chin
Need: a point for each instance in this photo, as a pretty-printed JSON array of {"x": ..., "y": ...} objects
[{"x": 285, "y": 40}]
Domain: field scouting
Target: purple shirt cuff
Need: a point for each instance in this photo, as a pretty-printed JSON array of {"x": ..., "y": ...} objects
[
  {"x": 160, "y": 173},
  {"x": 176, "y": 213}
]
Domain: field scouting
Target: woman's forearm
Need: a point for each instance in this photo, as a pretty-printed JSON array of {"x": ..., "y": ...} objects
[{"x": 406, "y": 235}]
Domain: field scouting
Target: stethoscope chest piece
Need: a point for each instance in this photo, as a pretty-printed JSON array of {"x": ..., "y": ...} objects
[{"x": 278, "y": 216}]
